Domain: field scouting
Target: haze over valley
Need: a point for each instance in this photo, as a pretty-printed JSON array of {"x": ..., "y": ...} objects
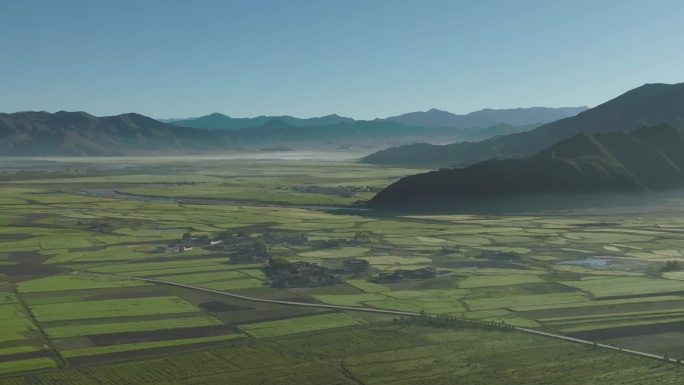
[
  {"x": 82, "y": 134},
  {"x": 341, "y": 192}
]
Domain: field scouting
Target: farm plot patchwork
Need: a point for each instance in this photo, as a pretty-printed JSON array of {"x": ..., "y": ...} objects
[
  {"x": 508, "y": 268},
  {"x": 21, "y": 344},
  {"x": 129, "y": 325},
  {"x": 111, "y": 308},
  {"x": 86, "y": 321},
  {"x": 626, "y": 286},
  {"x": 401, "y": 356},
  {"x": 75, "y": 282},
  {"x": 301, "y": 325}
]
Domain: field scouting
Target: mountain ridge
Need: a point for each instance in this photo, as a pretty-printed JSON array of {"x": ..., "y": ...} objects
[
  {"x": 486, "y": 117},
  {"x": 584, "y": 163},
  {"x": 82, "y": 134},
  {"x": 219, "y": 121},
  {"x": 647, "y": 105}
]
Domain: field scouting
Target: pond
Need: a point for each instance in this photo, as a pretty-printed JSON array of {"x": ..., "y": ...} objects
[{"x": 597, "y": 263}]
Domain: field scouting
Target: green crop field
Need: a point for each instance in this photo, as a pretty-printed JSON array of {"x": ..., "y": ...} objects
[
  {"x": 497, "y": 280},
  {"x": 146, "y": 345},
  {"x": 74, "y": 282},
  {"x": 26, "y": 365},
  {"x": 72, "y": 312},
  {"x": 300, "y": 325},
  {"x": 619, "y": 286},
  {"x": 111, "y": 308},
  {"x": 408, "y": 355},
  {"x": 129, "y": 326}
]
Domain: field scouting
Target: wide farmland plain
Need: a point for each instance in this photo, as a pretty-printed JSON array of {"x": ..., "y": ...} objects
[{"x": 77, "y": 236}]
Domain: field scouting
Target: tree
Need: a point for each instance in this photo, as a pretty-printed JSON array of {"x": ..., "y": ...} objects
[
  {"x": 279, "y": 263},
  {"x": 361, "y": 236},
  {"x": 672, "y": 266},
  {"x": 260, "y": 247},
  {"x": 187, "y": 235}
]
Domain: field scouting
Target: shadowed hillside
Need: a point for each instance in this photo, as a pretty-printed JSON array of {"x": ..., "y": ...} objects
[
  {"x": 648, "y": 159},
  {"x": 648, "y": 105},
  {"x": 82, "y": 134}
]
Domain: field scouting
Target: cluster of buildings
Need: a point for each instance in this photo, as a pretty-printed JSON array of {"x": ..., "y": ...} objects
[
  {"x": 303, "y": 274},
  {"x": 285, "y": 238},
  {"x": 400, "y": 275},
  {"x": 188, "y": 242},
  {"x": 242, "y": 249},
  {"x": 343, "y": 191},
  {"x": 306, "y": 274}
]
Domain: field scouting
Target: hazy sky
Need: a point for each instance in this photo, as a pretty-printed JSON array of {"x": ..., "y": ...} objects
[{"x": 359, "y": 58}]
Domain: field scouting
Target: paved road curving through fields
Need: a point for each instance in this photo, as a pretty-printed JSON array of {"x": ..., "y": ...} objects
[{"x": 380, "y": 311}]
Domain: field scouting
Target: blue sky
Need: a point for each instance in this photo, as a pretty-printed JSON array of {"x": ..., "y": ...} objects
[{"x": 359, "y": 58}]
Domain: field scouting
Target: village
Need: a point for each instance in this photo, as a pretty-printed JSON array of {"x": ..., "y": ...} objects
[
  {"x": 241, "y": 248},
  {"x": 343, "y": 191}
]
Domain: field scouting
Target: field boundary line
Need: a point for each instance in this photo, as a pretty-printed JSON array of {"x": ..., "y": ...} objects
[
  {"x": 597, "y": 344},
  {"x": 255, "y": 299},
  {"x": 61, "y": 361},
  {"x": 383, "y": 311}
]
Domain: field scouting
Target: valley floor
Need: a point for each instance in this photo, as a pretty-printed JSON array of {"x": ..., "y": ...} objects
[{"x": 73, "y": 240}]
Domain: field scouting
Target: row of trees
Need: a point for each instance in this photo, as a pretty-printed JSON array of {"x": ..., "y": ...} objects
[{"x": 449, "y": 321}]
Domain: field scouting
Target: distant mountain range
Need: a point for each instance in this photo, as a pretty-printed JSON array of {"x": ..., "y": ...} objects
[
  {"x": 81, "y": 134},
  {"x": 357, "y": 134},
  {"x": 487, "y": 117},
  {"x": 430, "y": 119},
  {"x": 647, "y": 159},
  {"x": 217, "y": 121},
  {"x": 648, "y": 105}
]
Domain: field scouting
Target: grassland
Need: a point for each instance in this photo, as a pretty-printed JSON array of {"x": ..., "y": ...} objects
[{"x": 578, "y": 274}]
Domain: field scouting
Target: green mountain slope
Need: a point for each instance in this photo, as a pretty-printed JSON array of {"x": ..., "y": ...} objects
[
  {"x": 82, "y": 134},
  {"x": 648, "y": 105},
  {"x": 648, "y": 159}
]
